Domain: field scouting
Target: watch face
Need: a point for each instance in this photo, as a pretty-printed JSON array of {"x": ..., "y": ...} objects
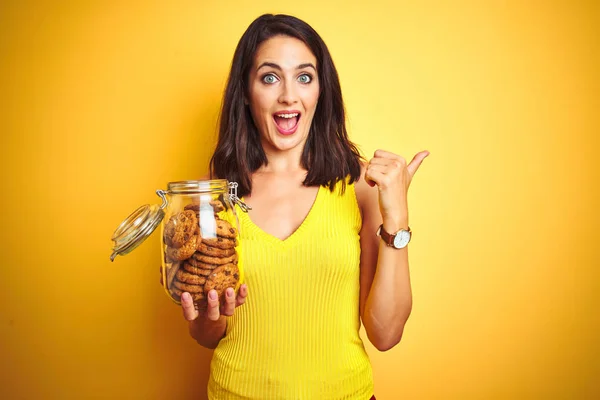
[{"x": 401, "y": 240}]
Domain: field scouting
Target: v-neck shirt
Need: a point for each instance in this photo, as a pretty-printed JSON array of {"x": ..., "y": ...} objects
[{"x": 297, "y": 335}]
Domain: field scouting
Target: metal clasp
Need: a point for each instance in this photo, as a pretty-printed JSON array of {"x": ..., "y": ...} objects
[
  {"x": 234, "y": 197},
  {"x": 162, "y": 194}
]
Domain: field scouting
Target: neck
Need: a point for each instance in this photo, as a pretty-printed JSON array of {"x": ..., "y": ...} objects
[{"x": 283, "y": 161}]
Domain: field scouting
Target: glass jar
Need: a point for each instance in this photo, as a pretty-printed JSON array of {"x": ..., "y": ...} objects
[{"x": 200, "y": 247}]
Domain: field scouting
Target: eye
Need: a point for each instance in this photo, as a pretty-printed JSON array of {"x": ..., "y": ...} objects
[
  {"x": 305, "y": 78},
  {"x": 269, "y": 78}
]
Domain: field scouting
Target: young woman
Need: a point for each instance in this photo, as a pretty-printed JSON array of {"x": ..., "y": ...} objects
[{"x": 325, "y": 241}]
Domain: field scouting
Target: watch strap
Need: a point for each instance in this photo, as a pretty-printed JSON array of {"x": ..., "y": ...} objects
[{"x": 386, "y": 237}]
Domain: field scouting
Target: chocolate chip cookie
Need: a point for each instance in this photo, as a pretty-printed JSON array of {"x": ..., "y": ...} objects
[
  {"x": 187, "y": 287},
  {"x": 226, "y": 230},
  {"x": 215, "y": 260},
  {"x": 184, "y": 252},
  {"x": 195, "y": 296},
  {"x": 199, "y": 264},
  {"x": 186, "y": 277},
  {"x": 222, "y": 278},
  {"x": 171, "y": 271},
  {"x": 214, "y": 251},
  {"x": 215, "y": 205},
  {"x": 180, "y": 228},
  {"x": 202, "y": 270},
  {"x": 220, "y": 242}
]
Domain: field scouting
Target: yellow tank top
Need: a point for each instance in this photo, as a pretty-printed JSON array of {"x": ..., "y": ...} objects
[{"x": 297, "y": 336}]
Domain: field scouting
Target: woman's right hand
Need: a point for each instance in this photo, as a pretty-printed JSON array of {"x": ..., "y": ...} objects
[{"x": 214, "y": 310}]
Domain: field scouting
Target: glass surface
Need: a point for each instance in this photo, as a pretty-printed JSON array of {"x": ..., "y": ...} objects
[{"x": 200, "y": 244}]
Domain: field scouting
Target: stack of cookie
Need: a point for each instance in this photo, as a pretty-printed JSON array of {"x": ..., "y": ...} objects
[{"x": 198, "y": 263}]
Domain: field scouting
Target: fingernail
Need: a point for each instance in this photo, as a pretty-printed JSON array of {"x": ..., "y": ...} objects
[
  {"x": 185, "y": 296},
  {"x": 229, "y": 292},
  {"x": 212, "y": 295}
]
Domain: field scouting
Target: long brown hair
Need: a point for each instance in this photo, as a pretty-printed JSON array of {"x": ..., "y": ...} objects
[{"x": 328, "y": 156}]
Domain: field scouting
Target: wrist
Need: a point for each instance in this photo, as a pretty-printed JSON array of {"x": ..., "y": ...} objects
[
  {"x": 394, "y": 225},
  {"x": 398, "y": 239}
]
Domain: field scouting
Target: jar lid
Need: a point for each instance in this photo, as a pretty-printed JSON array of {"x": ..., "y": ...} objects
[
  {"x": 194, "y": 187},
  {"x": 136, "y": 228}
]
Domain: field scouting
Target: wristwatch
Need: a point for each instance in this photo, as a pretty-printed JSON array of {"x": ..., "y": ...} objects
[{"x": 399, "y": 240}]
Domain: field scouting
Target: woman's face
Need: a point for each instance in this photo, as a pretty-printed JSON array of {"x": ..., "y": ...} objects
[{"x": 283, "y": 92}]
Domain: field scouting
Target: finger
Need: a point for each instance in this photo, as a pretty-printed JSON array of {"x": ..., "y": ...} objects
[
  {"x": 369, "y": 181},
  {"x": 386, "y": 154},
  {"x": 381, "y": 179},
  {"x": 374, "y": 167},
  {"x": 368, "y": 178},
  {"x": 187, "y": 304},
  {"x": 381, "y": 161},
  {"x": 416, "y": 162},
  {"x": 242, "y": 294},
  {"x": 212, "y": 309},
  {"x": 229, "y": 306},
  {"x": 380, "y": 168}
]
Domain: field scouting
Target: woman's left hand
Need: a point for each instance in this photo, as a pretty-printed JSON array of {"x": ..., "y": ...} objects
[{"x": 393, "y": 176}]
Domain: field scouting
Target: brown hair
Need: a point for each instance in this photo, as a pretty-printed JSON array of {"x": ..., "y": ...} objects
[{"x": 328, "y": 156}]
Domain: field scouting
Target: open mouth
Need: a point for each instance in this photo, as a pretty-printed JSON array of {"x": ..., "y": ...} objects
[{"x": 287, "y": 122}]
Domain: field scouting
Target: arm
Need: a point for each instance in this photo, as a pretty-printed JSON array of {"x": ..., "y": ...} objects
[{"x": 385, "y": 291}]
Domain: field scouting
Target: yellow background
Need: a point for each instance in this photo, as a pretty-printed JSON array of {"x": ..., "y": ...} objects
[{"x": 103, "y": 102}]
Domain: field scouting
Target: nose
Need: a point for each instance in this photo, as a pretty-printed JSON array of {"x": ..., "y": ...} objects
[{"x": 288, "y": 93}]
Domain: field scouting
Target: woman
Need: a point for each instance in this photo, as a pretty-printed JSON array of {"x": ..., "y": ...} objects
[{"x": 315, "y": 263}]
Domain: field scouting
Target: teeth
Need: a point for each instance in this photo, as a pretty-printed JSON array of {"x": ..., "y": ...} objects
[{"x": 287, "y": 115}]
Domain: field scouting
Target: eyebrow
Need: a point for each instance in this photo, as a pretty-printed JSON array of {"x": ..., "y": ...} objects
[{"x": 273, "y": 65}]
